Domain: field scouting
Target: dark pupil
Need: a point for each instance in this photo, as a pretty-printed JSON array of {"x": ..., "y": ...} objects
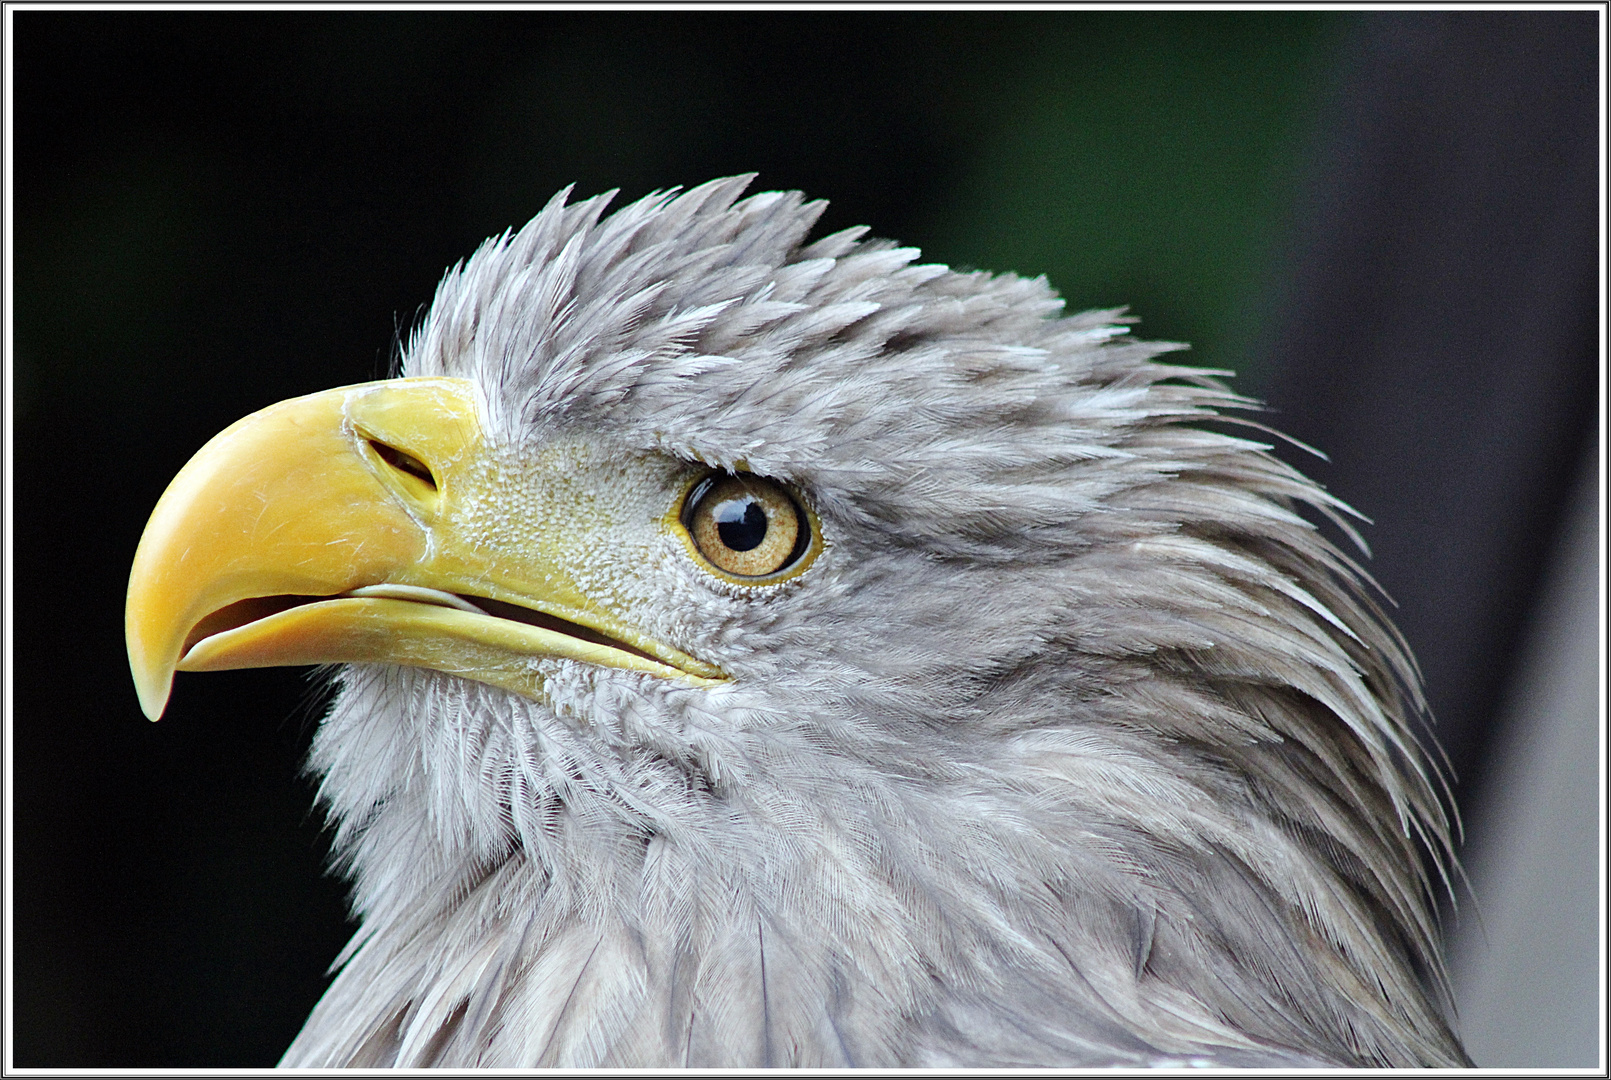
[{"x": 741, "y": 523}]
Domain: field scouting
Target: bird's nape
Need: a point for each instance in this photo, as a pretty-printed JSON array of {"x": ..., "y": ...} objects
[{"x": 761, "y": 652}]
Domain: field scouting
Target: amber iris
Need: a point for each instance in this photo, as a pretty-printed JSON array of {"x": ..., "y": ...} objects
[{"x": 746, "y": 525}]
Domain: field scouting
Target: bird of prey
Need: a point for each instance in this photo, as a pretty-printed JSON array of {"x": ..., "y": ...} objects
[{"x": 761, "y": 652}]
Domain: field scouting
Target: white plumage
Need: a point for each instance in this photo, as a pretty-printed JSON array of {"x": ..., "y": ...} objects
[{"x": 1076, "y": 746}]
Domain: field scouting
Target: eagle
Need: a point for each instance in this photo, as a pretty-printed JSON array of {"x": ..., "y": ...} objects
[{"x": 753, "y": 651}]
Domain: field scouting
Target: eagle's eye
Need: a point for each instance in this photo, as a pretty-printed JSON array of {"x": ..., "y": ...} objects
[{"x": 747, "y": 527}]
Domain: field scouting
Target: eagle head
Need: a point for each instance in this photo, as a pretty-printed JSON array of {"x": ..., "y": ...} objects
[{"x": 760, "y": 652}]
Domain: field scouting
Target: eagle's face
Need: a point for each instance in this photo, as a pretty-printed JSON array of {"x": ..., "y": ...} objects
[
  {"x": 700, "y": 590},
  {"x": 798, "y": 496}
]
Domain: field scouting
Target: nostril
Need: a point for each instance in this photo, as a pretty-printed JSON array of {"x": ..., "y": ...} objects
[{"x": 403, "y": 462}]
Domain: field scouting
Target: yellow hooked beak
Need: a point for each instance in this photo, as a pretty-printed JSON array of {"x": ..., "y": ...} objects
[{"x": 322, "y": 530}]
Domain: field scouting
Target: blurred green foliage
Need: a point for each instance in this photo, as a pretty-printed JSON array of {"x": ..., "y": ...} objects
[{"x": 1148, "y": 161}]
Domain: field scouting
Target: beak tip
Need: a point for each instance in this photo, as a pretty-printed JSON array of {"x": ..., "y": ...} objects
[
  {"x": 153, "y": 678},
  {"x": 153, "y": 693}
]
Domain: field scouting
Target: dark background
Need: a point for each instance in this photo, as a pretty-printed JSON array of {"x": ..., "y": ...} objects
[{"x": 1385, "y": 222}]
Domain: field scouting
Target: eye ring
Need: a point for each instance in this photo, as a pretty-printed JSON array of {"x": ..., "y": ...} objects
[{"x": 748, "y": 529}]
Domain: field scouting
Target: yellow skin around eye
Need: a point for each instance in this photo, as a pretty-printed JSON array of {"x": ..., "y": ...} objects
[{"x": 782, "y": 527}]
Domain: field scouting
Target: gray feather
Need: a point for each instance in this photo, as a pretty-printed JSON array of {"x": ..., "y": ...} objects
[{"x": 1079, "y": 747}]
